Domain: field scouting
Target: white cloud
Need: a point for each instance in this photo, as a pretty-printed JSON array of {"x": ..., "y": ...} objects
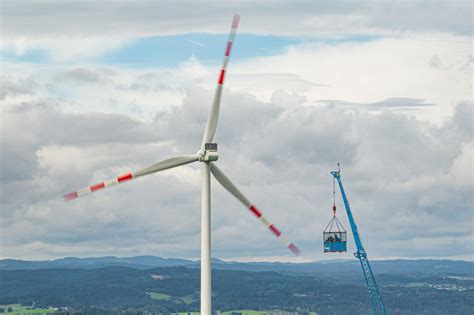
[
  {"x": 366, "y": 72},
  {"x": 61, "y": 48},
  {"x": 462, "y": 177},
  {"x": 279, "y": 153},
  {"x": 300, "y": 18},
  {"x": 380, "y": 72}
]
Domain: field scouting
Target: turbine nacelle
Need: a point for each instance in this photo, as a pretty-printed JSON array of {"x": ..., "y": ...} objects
[{"x": 209, "y": 154}]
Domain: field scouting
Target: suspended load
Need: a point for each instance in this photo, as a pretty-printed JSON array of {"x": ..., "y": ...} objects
[{"x": 334, "y": 235}]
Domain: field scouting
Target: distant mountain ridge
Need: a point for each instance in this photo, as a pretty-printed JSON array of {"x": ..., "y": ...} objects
[
  {"x": 137, "y": 262},
  {"x": 398, "y": 266}
]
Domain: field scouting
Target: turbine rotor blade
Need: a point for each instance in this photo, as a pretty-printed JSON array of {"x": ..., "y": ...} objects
[
  {"x": 160, "y": 166},
  {"x": 213, "y": 118},
  {"x": 227, "y": 184}
]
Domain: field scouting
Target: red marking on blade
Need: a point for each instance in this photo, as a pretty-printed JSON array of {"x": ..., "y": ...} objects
[
  {"x": 235, "y": 21},
  {"x": 274, "y": 230},
  {"x": 97, "y": 186},
  {"x": 124, "y": 177},
  {"x": 71, "y": 196},
  {"x": 227, "y": 50},
  {"x": 221, "y": 77},
  {"x": 255, "y": 211},
  {"x": 295, "y": 250}
]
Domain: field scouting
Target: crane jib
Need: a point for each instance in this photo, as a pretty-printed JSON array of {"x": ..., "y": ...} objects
[{"x": 375, "y": 297}]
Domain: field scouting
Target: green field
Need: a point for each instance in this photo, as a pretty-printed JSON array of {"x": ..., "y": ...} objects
[
  {"x": 243, "y": 312},
  {"x": 26, "y": 310},
  {"x": 250, "y": 312},
  {"x": 187, "y": 299},
  {"x": 158, "y": 296},
  {"x": 19, "y": 309}
]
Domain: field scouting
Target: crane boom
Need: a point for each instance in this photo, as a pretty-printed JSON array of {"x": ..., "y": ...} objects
[{"x": 374, "y": 293}]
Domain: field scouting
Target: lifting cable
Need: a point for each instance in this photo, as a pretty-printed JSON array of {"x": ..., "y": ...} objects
[
  {"x": 334, "y": 220},
  {"x": 334, "y": 196}
]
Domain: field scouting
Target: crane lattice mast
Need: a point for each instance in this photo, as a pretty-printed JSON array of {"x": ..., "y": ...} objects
[{"x": 374, "y": 293}]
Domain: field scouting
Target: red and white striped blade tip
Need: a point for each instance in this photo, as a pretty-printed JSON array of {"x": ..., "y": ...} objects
[
  {"x": 235, "y": 21},
  {"x": 92, "y": 188},
  {"x": 295, "y": 250},
  {"x": 292, "y": 247},
  {"x": 71, "y": 196}
]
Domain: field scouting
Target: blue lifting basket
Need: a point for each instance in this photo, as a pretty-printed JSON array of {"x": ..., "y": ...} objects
[{"x": 335, "y": 237}]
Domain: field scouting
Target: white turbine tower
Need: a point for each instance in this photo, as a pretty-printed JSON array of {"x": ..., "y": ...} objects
[{"x": 207, "y": 155}]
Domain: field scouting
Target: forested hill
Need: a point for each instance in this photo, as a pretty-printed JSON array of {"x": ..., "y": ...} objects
[
  {"x": 336, "y": 266},
  {"x": 124, "y": 290}
]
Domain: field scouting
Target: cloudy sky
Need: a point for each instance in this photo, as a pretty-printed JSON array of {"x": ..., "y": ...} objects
[{"x": 92, "y": 89}]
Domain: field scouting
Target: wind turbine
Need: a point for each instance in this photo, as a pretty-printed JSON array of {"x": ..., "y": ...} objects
[{"x": 207, "y": 155}]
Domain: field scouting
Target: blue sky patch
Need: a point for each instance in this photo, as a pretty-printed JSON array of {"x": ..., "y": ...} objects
[
  {"x": 169, "y": 51},
  {"x": 165, "y": 51}
]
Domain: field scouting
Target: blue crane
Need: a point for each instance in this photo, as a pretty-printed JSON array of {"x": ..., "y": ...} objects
[{"x": 374, "y": 293}]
